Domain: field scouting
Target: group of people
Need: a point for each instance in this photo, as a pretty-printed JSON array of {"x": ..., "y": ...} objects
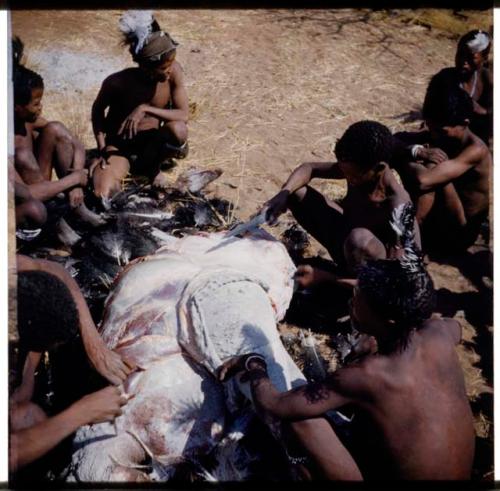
[{"x": 404, "y": 381}]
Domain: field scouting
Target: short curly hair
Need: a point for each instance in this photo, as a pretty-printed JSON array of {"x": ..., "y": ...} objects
[
  {"x": 366, "y": 143},
  {"x": 392, "y": 291},
  {"x": 446, "y": 103},
  {"x": 24, "y": 79},
  {"x": 46, "y": 312}
]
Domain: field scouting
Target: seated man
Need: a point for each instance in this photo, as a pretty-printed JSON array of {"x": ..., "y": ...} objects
[
  {"x": 147, "y": 109},
  {"x": 50, "y": 314},
  {"x": 41, "y": 145},
  {"x": 412, "y": 417},
  {"x": 449, "y": 182},
  {"x": 357, "y": 229},
  {"x": 477, "y": 80}
]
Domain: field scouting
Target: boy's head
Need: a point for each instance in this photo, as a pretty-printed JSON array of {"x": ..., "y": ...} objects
[
  {"x": 447, "y": 107},
  {"x": 46, "y": 312},
  {"x": 28, "y": 86},
  {"x": 472, "y": 52},
  {"x": 363, "y": 150},
  {"x": 391, "y": 298},
  {"x": 151, "y": 48}
]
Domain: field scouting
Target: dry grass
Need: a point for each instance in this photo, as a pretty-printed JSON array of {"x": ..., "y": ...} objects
[{"x": 450, "y": 23}]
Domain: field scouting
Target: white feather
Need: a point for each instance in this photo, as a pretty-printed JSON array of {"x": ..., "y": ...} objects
[
  {"x": 479, "y": 43},
  {"x": 137, "y": 23}
]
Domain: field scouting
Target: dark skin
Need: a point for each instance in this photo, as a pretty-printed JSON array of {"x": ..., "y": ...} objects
[
  {"x": 461, "y": 173},
  {"x": 136, "y": 99},
  {"x": 365, "y": 213},
  {"x": 468, "y": 63},
  {"x": 41, "y": 146},
  {"x": 413, "y": 398}
]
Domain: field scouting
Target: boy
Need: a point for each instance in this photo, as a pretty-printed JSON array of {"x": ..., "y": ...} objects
[
  {"x": 45, "y": 322},
  {"x": 449, "y": 182},
  {"x": 408, "y": 394},
  {"x": 147, "y": 109},
  {"x": 41, "y": 145},
  {"x": 357, "y": 229}
]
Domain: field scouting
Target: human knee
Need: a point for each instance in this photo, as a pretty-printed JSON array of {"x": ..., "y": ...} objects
[
  {"x": 300, "y": 194},
  {"x": 25, "y": 159},
  {"x": 358, "y": 239},
  {"x": 34, "y": 213},
  {"x": 179, "y": 130},
  {"x": 58, "y": 131}
]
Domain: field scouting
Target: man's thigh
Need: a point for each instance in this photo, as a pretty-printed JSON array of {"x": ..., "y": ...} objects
[{"x": 323, "y": 219}]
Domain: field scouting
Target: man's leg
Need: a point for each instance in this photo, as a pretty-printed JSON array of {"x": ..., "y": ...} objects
[
  {"x": 27, "y": 167},
  {"x": 108, "y": 181},
  {"x": 325, "y": 450},
  {"x": 322, "y": 218},
  {"x": 360, "y": 246},
  {"x": 56, "y": 146}
]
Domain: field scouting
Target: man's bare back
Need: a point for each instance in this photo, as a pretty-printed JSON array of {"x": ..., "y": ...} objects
[{"x": 417, "y": 403}]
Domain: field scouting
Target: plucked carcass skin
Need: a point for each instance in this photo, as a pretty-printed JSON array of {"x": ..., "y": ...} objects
[{"x": 179, "y": 409}]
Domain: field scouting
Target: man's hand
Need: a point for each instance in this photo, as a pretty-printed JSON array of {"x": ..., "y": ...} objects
[
  {"x": 237, "y": 364},
  {"x": 80, "y": 177},
  {"x": 103, "y": 405},
  {"x": 75, "y": 197},
  {"x": 308, "y": 276},
  {"x": 434, "y": 155},
  {"x": 130, "y": 125},
  {"x": 276, "y": 206},
  {"x": 107, "y": 362}
]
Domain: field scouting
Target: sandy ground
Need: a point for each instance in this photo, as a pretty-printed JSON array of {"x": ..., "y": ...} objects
[{"x": 269, "y": 89}]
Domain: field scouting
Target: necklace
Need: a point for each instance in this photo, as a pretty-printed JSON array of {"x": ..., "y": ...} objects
[{"x": 472, "y": 92}]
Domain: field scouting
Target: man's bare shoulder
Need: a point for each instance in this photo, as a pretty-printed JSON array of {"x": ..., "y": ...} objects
[
  {"x": 119, "y": 78},
  {"x": 475, "y": 151},
  {"x": 359, "y": 377},
  {"x": 443, "y": 328}
]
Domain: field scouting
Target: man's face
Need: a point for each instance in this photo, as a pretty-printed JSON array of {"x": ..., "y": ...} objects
[
  {"x": 31, "y": 111},
  {"x": 354, "y": 175},
  {"x": 161, "y": 72},
  {"x": 467, "y": 62}
]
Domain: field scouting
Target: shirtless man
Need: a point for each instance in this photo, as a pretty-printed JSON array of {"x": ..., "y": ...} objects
[
  {"x": 358, "y": 228},
  {"x": 449, "y": 180},
  {"x": 44, "y": 323},
  {"x": 477, "y": 80},
  {"x": 407, "y": 392},
  {"x": 41, "y": 145},
  {"x": 147, "y": 109}
]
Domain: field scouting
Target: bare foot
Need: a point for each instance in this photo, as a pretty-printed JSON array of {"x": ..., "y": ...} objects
[
  {"x": 66, "y": 234},
  {"x": 161, "y": 181},
  {"x": 89, "y": 217}
]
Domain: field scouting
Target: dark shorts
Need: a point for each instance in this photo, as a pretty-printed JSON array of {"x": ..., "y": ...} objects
[
  {"x": 326, "y": 224},
  {"x": 147, "y": 150}
]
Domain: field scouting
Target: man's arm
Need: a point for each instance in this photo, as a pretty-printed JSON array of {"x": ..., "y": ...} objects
[
  {"x": 299, "y": 178},
  {"x": 346, "y": 385},
  {"x": 428, "y": 179},
  {"x": 45, "y": 190},
  {"x": 107, "y": 362},
  {"x": 98, "y": 114},
  {"x": 29, "y": 444},
  {"x": 179, "y": 99}
]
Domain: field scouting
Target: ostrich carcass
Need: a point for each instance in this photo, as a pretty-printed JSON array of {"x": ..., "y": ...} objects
[{"x": 178, "y": 314}]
